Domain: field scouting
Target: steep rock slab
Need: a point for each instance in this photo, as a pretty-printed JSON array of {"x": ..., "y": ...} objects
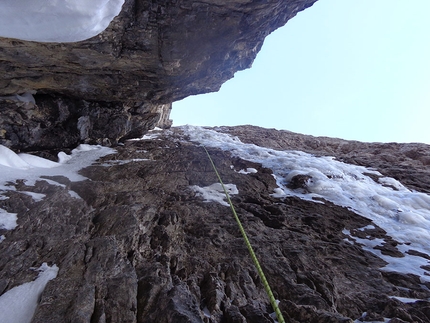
[{"x": 141, "y": 246}]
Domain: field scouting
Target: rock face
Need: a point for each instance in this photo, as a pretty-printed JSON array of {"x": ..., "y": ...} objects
[
  {"x": 134, "y": 242},
  {"x": 138, "y": 244},
  {"x": 58, "y": 122},
  {"x": 153, "y": 53}
]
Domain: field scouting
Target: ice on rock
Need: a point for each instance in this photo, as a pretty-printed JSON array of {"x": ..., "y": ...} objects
[
  {"x": 215, "y": 192},
  {"x": 402, "y": 213}
]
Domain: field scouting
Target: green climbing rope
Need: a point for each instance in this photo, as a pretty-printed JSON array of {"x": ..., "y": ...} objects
[{"x": 250, "y": 249}]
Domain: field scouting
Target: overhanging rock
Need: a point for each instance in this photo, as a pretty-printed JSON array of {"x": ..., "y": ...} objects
[
  {"x": 158, "y": 51},
  {"x": 122, "y": 82}
]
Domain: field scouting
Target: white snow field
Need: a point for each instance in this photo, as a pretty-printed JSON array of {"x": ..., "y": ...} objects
[
  {"x": 215, "y": 192},
  {"x": 18, "y": 304},
  {"x": 56, "y": 20},
  {"x": 402, "y": 213}
]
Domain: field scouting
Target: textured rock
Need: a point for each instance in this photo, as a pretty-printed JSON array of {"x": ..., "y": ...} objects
[
  {"x": 154, "y": 51},
  {"x": 57, "y": 122},
  {"x": 407, "y": 162},
  {"x": 140, "y": 246},
  {"x": 122, "y": 82}
]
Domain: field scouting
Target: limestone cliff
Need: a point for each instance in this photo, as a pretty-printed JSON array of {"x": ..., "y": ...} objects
[
  {"x": 134, "y": 242},
  {"x": 133, "y": 236},
  {"x": 153, "y": 53}
]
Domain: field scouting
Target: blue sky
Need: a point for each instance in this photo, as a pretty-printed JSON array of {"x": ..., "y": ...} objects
[{"x": 352, "y": 69}]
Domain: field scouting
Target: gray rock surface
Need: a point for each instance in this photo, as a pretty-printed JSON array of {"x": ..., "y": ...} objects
[
  {"x": 121, "y": 83},
  {"x": 140, "y": 246},
  {"x": 58, "y": 122},
  {"x": 154, "y": 51}
]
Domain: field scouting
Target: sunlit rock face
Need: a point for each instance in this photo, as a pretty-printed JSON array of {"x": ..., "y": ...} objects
[{"x": 135, "y": 241}]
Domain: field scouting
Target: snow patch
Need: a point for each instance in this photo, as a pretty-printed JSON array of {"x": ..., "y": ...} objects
[
  {"x": 12, "y": 164},
  {"x": 26, "y": 97},
  {"x": 367, "y": 227},
  {"x": 7, "y": 220},
  {"x": 407, "y": 300},
  {"x": 74, "y": 194},
  {"x": 18, "y": 304},
  {"x": 37, "y": 197},
  {"x": 31, "y": 168},
  {"x": 362, "y": 319},
  {"x": 124, "y": 161},
  {"x": 248, "y": 171},
  {"x": 409, "y": 264},
  {"x": 215, "y": 192},
  {"x": 149, "y": 136}
]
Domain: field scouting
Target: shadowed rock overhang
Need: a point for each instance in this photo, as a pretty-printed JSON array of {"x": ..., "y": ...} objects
[
  {"x": 157, "y": 51},
  {"x": 121, "y": 83}
]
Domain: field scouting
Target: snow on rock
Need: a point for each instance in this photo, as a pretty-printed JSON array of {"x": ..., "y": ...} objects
[
  {"x": 9, "y": 159},
  {"x": 215, "y": 192},
  {"x": 31, "y": 168},
  {"x": 19, "y": 304},
  {"x": 26, "y": 97},
  {"x": 410, "y": 264},
  {"x": 248, "y": 171},
  {"x": 402, "y": 213},
  {"x": 7, "y": 220},
  {"x": 23, "y": 161},
  {"x": 36, "y": 161},
  {"x": 37, "y": 197},
  {"x": 56, "y": 20}
]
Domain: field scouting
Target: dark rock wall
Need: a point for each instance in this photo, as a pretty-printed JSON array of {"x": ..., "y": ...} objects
[
  {"x": 154, "y": 51},
  {"x": 59, "y": 122},
  {"x": 140, "y": 246},
  {"x": 122, "y": 82}
]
